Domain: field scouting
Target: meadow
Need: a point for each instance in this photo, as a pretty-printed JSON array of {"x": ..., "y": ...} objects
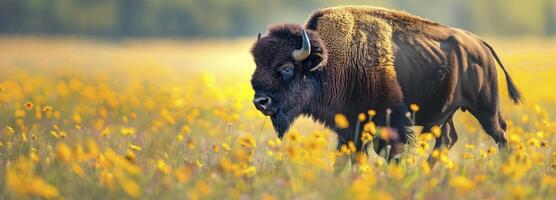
[{"x": 164, "y": 119}]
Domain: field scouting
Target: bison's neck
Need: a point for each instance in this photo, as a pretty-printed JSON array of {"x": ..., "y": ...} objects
[{"x": 336, "y": 91}]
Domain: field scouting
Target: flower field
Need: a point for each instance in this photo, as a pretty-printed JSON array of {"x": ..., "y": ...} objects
[{"x": 157, "y": 119}]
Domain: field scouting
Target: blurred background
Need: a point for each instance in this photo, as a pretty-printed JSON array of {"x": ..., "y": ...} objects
[{"x": 238, "y": 18}]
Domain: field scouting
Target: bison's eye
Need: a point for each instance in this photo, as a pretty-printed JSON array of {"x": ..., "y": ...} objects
[{"x": 286, "y": 71}]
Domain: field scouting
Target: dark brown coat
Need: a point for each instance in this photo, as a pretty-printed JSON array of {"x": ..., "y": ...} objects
[{"x": 375, "y": 58}]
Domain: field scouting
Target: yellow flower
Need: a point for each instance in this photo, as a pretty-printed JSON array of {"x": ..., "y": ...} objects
[
  {"x": 371, "y": 113},
  {"x": 10, "y": 129},
  {"x": 127, "y": 131},
  {"x": 64, "y": 152},
  {"x": 183, "y": 174},
  {"x": 293, "y": 136},
  {"x": 28, "y": 105},
  {"x": 436, "y": 131},
  {"x": 19, "y": 113},
  {"x": 341, "y": 121},
  {"x": 134, "y": 147},
  {"x": 361, "y": 117},
  {"x": 397, "y": 172},
  {"x": 107, "y": 179},
  {"x": 370, "y": 128},
  {"x": 215, "y": 148},
  {"x": 548, "y": 181},
  {"x": 247, "y": 141},
  {"x": 163, "y": 167},
  {"x": 414, "y": 107},
  {"x": 131, "y": 187},
  {"x": 76, "y": 168},
  {"x": 21, "y": 180},
  {"x": 366, "y": 137},
  {"x": 47, "y": 108},
  {"x": 226, "y": 147},
  {"x": 461, "y": 184}
]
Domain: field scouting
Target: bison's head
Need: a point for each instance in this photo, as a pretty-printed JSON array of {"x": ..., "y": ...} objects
[{"x": 283, "y": 80}]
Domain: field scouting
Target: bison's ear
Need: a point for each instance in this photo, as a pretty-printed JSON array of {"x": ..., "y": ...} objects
[{"x": 316, "y": 60}]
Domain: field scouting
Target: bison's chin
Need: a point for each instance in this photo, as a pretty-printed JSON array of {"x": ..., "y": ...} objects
[{"x": 281, "y": 122}]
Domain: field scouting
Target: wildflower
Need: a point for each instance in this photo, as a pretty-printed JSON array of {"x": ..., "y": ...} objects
[
  {"x": 76, "y": 168},
  {"x": 64, "y": 152},
  {"x": 370, "y": 128},
  {"x": 21, "y": 180},
  {"x": 266, "y": 196},
  {"x": 130, "y": 155},
  {"x": 461, "y": 184},
  {"x": 10, "y": 129},
  {"x": 361, "y": 117},
  {"x": 467, "y": 155},
  {"x": 107, "y": 179},
  {"x": 436, "y": 131},
  {"x": 182, "y": 174},
  {"x": 19, "y": 113},
  {"x": 47, "y": 108},
  {"x": 226, "y": 147},
  {"x": 247, "y": 141},
  {"x": 127, "y": 131},
  {"x": 491, "y": 151},
  {"x": 33, "y": 155},
  {"x": 62, "y": 134},
  {"x": 215, "y": 148},
  {"x": 28, "y": 105},
  {"x": 190, "y": 144},
  {"x": 134, "y": 147},
  {"x": 341, "y": 121},
  {"x": 414, "y": 107},
  {"x": 131, "y": 187},
  {"x": 397, "y": 172},
  {"x": 105, "y": 132},
  {"x": 293, "y": 136},
  {"x": 371, "y": 113},
  {"x": 481, "y": 178},
  {"x": 185, "y": 129},
  {"x": 426, "y": 168},
  {"x": 249, "y": 171},
  {"x": 351, "y": 146},
  {"x": 548, "y": 181},
  {"x": 200, "y": 190},
  {"x": 163, "y": 167},
  {"x": 518, "y": 191},
  {"x": 470, "y": 146},
  {"x": 366, "y": 137}
]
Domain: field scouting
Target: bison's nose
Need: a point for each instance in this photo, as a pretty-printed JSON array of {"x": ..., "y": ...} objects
[{"x": 264, "y": 104}]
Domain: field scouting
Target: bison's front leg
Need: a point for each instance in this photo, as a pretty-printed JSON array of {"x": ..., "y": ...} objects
[{"x": 402, "y": 134}]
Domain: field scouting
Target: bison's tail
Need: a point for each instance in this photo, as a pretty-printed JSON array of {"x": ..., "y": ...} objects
[{"x": 515, "y": 95}]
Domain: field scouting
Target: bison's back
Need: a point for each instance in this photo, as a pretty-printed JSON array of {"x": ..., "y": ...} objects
[{"x": 422, "y": 57}]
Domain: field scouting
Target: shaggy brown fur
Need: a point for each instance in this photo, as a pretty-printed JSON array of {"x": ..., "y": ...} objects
[{"x": 375, "y": 58}]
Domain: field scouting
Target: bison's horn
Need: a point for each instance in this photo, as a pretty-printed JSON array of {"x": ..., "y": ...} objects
[{"x": 305, "y": 51}]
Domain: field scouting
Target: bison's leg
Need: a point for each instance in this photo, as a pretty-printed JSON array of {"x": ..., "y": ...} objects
[
  {"x": 406, "y": 136},
  {"x": 448, "y": 139},
  {"x": 493, "y": 124}
]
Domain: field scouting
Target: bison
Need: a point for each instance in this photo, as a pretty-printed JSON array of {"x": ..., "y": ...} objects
[{"x": 350, "y": 60}]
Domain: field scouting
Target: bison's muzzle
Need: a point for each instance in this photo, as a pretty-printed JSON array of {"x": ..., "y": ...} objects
[{"x": 263, "y": 103}]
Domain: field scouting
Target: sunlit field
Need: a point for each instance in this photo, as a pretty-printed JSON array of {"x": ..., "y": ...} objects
[{"x": 84, "y": 119}]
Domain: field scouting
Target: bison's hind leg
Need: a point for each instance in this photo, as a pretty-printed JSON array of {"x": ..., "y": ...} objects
[{"x": 493, "y": 124}]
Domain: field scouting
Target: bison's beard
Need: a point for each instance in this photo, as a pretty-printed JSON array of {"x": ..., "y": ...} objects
[{"x": 282, "y": 122}]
